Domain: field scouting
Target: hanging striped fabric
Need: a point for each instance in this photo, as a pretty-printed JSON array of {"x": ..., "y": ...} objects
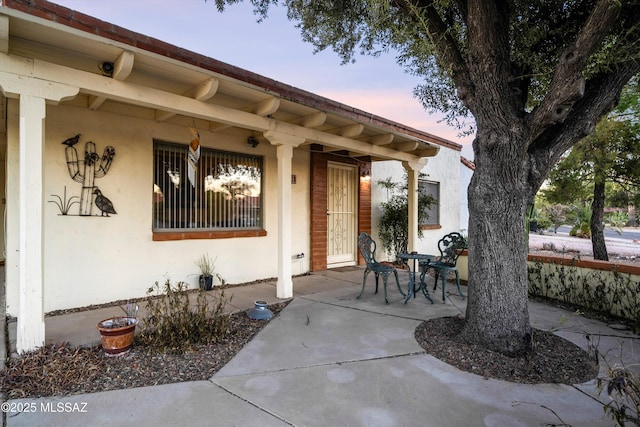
[{"x": 193, "y": 156}]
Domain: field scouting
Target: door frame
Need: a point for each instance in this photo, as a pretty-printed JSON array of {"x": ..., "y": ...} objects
[
  {"x": 318, "y": 193},
  {"x": 349, "y": 256}
]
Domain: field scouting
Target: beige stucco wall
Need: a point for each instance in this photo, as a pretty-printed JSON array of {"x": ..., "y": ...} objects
[
  {"x": 91, "y": 260},
  {"x": 443, "y": 168}
]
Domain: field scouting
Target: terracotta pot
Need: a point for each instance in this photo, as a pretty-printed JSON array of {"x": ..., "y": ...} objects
[{"x": 117, "y": 334}]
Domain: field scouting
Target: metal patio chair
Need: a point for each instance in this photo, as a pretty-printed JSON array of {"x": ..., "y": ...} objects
[
  {"x": 450, "y": 247},
  {"x": 367, "y": 247}
]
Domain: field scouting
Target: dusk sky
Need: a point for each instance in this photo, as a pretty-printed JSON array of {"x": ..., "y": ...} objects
[{"x": 274, "y": 49}]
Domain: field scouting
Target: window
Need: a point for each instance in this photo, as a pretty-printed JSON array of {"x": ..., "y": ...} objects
[
  {"x": 430, "y": 188},
  {"x": 226, "y": 193}
]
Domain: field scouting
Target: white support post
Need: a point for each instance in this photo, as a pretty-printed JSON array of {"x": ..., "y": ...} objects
[
  {"x": 30, "y": 334},
  {"x": 413, "y": 170},
  {"x": 284, "y": 149},
  {"x": 33, "y": 94}
]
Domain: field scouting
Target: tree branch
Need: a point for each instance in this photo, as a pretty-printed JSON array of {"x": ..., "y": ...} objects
[
  {"x": 463, "y": 8},
  {"x": 602, "y": 93},
  {"x": 568, "y": 85},
  {"x": 489, "y": 54},
  {"x": 448, "y": 52}
]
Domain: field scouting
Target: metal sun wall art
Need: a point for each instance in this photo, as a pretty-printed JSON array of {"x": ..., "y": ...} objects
[{"x": 85, "y": 172}]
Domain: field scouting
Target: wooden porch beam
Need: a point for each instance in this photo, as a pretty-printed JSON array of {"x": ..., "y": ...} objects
[
  {"x": 205, "y": 90},
  {"x": 153, "y": 98},
  {"x": 385, "y": 139},
  {"x": 4, "y": 34},
  {"x": 351, "y": 131},
  {"x": 266, "y": 107},
  {"x": 407, "y": 146},
  {"x": 121, "y": 70}
]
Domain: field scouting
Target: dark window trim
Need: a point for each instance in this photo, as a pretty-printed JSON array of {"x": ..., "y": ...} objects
[{"x": 164, "y": 236}]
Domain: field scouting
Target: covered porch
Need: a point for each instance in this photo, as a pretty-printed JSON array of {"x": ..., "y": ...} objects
[{"x": 53, "y": 60}]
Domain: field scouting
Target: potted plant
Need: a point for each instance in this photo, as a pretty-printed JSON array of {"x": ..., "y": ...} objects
[
  {"x": 116, "y": 333},
  {"x": 207, "y": 266}
]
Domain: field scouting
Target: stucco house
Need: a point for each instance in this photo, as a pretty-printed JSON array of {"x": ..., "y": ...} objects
[{"x": 127, "y": 158}]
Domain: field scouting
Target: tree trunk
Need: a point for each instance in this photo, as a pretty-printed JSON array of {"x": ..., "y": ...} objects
[
  {"x": 597, "y": 222},
  {"x": 498, "y": 197}
]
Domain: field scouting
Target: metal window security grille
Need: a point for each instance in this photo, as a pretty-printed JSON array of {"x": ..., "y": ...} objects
[
  {"x": 432, "y": 189},
  {"x": 226, "y": 194}
]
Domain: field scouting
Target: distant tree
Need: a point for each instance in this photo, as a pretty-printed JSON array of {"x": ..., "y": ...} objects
[
  {"x": 610, "y": 154},
  {"x": 536, "y": 76},
  {"x": 627, "y": 197},
  {"x": 556, "y": 213}
]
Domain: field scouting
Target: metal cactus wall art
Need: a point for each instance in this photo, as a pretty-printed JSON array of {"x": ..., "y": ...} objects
[
  {"x": 64, "y": 204},
  {"x": 86, "y": 171}
]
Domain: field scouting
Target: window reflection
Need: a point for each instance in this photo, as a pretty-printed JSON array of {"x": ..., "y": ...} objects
[{"x": 228, "y": 194}]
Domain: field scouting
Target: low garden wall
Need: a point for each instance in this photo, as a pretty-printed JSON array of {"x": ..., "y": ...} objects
[
  {"x": 463, "y": 266},
  {"x": 599, "y": 285}
]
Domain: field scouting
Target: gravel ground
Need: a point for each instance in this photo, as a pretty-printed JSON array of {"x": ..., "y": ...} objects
[
  {"x": 553, "y": 359},
  {"x": 60, "y": 370}
]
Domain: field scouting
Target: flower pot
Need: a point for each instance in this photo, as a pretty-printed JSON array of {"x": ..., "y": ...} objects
[
  {"x": 116, "y": 334},
  {"x": 206, "y": 282}
]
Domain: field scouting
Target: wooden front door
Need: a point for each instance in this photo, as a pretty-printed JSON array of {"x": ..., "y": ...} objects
[{"x": 342, "y": 213}]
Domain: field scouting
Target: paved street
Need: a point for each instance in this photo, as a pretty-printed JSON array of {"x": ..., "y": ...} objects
[{"x": 626, "y": 246}]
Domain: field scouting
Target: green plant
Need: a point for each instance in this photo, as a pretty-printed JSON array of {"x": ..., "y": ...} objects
[
  {"x": 173, "y": 322},
  {"x": 394, "y": 221},
  {"x": 206, "y": 265},
  {"x": 538, "y": 213},
  {"x": 617, "y": 220},
  {"x": 580, "y": 217}
]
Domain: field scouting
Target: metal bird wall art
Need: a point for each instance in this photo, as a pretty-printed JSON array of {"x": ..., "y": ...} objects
[
  {"x": 104, "y": 204},
  {"x": 70, "y": 142},
  {"x": 86, "y": 171}
]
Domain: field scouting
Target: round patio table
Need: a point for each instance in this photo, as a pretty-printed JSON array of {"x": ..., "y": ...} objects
[{"x": 414, "y": 256}]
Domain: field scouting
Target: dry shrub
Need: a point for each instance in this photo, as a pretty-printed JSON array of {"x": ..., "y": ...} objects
[{"x": 176, "y": 324}]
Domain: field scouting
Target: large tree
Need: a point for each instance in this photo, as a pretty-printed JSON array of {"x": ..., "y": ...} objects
[{"x": 536, "y": 75}]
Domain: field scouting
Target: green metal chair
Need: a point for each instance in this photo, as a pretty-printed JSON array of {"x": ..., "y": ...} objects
[
  {"x": 450, "y": 247},
  {"x": 367, "y": 247}
]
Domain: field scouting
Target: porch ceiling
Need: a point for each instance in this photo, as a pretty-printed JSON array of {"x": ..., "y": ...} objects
[{"x": 173, "y": 84}]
